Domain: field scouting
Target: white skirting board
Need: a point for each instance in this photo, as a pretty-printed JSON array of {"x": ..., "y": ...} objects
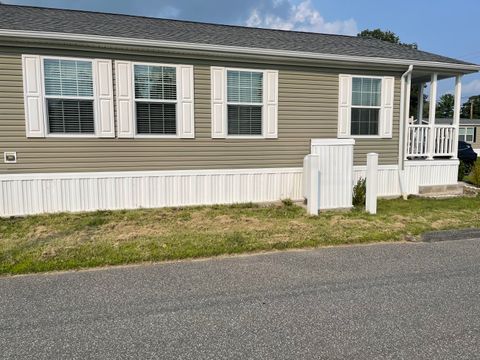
[
  {"x": 24, "y": 194},
  {"x": 416, "y": 173}
]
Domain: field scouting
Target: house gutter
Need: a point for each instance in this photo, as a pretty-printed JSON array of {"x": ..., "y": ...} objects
[
  {"x": 232, "y": 49},
  {"x": 401, "y": 142}
]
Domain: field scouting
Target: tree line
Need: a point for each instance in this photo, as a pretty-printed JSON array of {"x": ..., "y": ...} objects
[{"x": 470, "y": 109}]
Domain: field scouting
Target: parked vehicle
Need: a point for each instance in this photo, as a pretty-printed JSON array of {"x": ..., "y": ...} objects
[{"x": 466, "y": 153}]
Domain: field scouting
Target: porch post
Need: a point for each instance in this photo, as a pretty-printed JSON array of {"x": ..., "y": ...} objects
[
  {"x": 456, "y": 114},
  {"x": 431, "y": 116},
  {"x": 408, "y": 88},
  {"x": 420, "y": 103}
]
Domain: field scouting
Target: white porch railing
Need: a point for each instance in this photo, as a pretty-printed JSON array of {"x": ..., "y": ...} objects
[{"x": 418, "y": 137}]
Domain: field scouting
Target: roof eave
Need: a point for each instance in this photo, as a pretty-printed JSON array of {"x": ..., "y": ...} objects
[{"x": 467, "y": 68}]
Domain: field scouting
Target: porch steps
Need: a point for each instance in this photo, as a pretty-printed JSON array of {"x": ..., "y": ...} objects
[{"x": 440, "y": 190}]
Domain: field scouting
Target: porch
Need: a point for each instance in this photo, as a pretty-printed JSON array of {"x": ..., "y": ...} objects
[{"x": 425, "y": 138}]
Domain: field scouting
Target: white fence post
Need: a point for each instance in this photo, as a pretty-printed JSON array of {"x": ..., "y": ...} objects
[
  {"x": 311, "y": 183},
  {"x": 372, "y": 183}
]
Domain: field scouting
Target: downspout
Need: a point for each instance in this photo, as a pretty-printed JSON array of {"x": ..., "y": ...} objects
[{"x": 401, "y": 143}]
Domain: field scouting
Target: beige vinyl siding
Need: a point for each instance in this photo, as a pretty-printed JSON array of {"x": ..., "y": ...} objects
[{"x": 308, "y": 108}]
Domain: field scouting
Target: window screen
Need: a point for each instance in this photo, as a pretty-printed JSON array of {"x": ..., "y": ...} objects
[
  {"x": 69, "y": 96},
  {"x": 366, "y": 100},
  {"x": 155, "y": 99},
  {"x": 244, "y": 102}
]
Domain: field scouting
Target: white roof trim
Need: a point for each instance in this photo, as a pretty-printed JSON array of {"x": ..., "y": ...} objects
[{"x": 231, "y": 49}]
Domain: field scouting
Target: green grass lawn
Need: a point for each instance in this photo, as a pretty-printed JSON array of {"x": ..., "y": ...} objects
[{"x": 73, "y": 241}]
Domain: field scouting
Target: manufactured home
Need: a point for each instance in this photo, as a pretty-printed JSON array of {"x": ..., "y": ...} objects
[{"x": 107, "y": 111}]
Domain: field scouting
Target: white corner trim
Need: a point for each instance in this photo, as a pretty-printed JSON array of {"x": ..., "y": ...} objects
[
  {"x": 320, "y": 142},
  {"x": 230, "y": 49}
]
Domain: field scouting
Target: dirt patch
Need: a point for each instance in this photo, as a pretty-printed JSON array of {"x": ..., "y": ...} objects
[
  {"x": 125, "y": 231},
  {"x": 40, "y": 232},
  {"x": 443, "y": 223}
]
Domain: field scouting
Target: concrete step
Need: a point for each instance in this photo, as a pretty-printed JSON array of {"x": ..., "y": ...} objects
[
  {"x": 470, "y": 190},
  {"x": 440, "y": 190}
]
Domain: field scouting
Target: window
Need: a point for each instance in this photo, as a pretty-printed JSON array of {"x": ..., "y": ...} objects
[
  {"x": 69, "y": 96},
  {"x": 155, "y": 99},
  {"x": 244, "y": 102},
  {"x": 466, "y": 134},
  {"x": 366, "y": 105}
]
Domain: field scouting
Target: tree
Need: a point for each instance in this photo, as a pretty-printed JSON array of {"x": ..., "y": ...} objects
[
  {"x": 390, "y": 36},
  {"x": 385, "y": 35},
  {"x": 445, "y": 106},
  {"x": 414, "y": 100},
  {"x": 473, "y": 103}
]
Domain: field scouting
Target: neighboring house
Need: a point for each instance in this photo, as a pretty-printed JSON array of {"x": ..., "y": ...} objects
[
  {"x": 469, "y": 132},
  {"x": 104, "y": 111}
]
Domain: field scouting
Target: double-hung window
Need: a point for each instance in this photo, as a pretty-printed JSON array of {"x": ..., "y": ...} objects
[
  {"x": 365, "y": 111},
  {"x": 244, "y": 102},
  {"x": 466, "y": 134},
  {"x": 365, "y": 106},
  {"x": 155, "y": 99},
  {"x": 69, "y": 96}
]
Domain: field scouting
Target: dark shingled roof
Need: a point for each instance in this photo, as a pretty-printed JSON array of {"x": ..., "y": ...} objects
[
  {"x": 13, "y": 17},
  {"x": 463, "y": 122}
]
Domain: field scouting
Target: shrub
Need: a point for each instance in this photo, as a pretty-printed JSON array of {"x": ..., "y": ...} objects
[
  {"x": 359, "y": 193},
  {"x": 287, "y": 202},
  {"x": 474, "y": 176},
  {"x": 464, "y": 169}
]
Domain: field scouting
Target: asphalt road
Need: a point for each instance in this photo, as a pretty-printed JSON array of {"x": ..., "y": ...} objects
[{"x": 397, "y": 301}]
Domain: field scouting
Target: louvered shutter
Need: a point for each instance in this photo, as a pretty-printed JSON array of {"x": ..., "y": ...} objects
[
  {"x": 344, "y": 105},
  {"x": 104, "y": 99},
  {"x": 386, "y": 113},
  {"x": 219, "y": 98},
  {"x": 125, "y": 105},
  {"x": 185, "y": 109},
  {"x": 33, "y": 96},
  {"x": 271, "y": 104}
]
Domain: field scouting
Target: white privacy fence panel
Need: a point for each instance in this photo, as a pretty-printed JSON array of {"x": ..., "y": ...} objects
[
  {"x": 335, "y": 167},
  {"x": 48, "y": 193}
]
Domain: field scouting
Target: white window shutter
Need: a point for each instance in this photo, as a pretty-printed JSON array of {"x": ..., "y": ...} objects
[
  {"x": 270, "y": 128},
  {"x": 33, "y": 96},
  {"x": 125, "y": 99},
  {"x": 386, "y": 115},
  {"x": 219, "y": 101},
  {"x": 105, "y": 123},
  {"x": 344, "y": 105},
  {"x": 185, "y": 109}
]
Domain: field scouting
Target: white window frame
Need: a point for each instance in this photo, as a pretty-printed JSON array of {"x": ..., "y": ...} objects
[
  {"x": 262, "y": 104},
  {"x": 155, "y": 136},
  {"x": 465, "y": 128},
  {"x": 46, "y": 97},
  {"x": 378, "y": 136}
]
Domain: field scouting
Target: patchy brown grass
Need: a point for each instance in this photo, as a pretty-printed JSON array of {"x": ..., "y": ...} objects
[{"x": 72, "y": 241}]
